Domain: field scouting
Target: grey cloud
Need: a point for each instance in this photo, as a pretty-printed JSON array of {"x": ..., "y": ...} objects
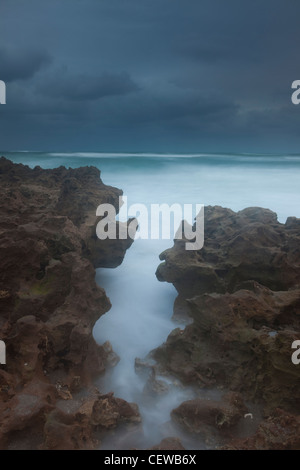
[
  {"x": 202, "y": 52},
  {"x": 18, "y": 64},
  {"x": 199, "y": 73},
  {"x": 84, "y": 87},
  {"x": 178, "y": 106}
]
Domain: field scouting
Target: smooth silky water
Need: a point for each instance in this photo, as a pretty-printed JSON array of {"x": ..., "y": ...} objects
[{"x": 141, "y": 315}]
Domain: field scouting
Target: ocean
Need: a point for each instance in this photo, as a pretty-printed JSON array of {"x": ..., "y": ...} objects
[
  {"x": 234, "y": 181},
  {"x": 141, "y": 315}
]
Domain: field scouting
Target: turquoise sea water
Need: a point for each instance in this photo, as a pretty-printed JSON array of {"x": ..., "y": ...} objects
[
  {"x": 234, "y": 181},
  {"x": 140, "y": 318}
]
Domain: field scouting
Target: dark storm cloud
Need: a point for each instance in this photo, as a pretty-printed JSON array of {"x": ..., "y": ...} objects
[
  {"x": 20, "y": 64},
  {"x": 167, "y": 106},
  {"x": 200, "y": 75},
  {"x": 85, "y": 87},
  {"x": 201, "y": 52}
]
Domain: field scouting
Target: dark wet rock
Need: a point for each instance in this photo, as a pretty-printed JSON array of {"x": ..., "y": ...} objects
[
  {"x": 240, "y": 341},
  {"x": 112, "y": 358},
  {"x": 76, "y": 427},
  {"x": 247, "y": 245},
  {"x": 168, "y": 443},
  {"x": 277, "y": 432},
  {"x": 242, "y": 292},
  {"x": 23, "y": 413},
  {"x": 144, "y": 367},
  {"x": 155, "y": 386},
  {"x": 49, "y": 299},
  {"x": 195, "y": 415}
]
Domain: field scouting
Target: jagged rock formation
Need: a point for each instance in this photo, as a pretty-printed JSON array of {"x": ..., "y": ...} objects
[
  {"x": 277, "y": 432},
  {"x": 195, "y": 415},
  {"x": 169, "y": 443},
  {"x": 242, "y": 291},
  {"x": 49, "y": 300}
]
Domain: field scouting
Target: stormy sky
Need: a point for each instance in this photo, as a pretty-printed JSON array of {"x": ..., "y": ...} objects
[{"x": 150, "y": 75}]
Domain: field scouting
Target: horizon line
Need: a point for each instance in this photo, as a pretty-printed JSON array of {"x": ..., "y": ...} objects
[{"x": 95, "y": 154}]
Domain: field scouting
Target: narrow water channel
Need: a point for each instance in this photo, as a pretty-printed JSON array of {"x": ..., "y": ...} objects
[{"x": 139, "y": 321}]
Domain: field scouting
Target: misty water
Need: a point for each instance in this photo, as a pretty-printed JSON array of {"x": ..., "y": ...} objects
[{"x": 141, "y": 315}]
